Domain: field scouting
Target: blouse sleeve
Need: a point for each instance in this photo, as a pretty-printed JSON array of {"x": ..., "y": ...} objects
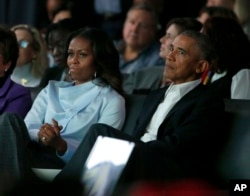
[
  {"x": 35, "y": 117},
  {"x": 240, "y": 87}
]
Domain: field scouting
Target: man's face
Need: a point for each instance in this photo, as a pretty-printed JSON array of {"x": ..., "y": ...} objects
[
  {"x": 139, "y": 29},
  {"x": 171, "y": 32},
  {"x": 183, "y": 60}
]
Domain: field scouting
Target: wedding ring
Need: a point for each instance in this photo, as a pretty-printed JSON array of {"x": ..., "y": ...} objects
[{"x": 44, "y": 138}]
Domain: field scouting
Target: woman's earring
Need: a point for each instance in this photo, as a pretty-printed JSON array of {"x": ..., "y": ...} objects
[
  {"x": 6, "y": 70},
  {"x": 69, "y": 78},
  {"x": 95, "y": 75}
]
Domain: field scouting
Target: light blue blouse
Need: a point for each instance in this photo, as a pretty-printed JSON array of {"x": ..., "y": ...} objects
[{"x": 76, "y": 108}]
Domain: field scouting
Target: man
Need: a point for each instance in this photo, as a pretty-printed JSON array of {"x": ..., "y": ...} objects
[
  {"x": 138, "y": 48},
  {"x": 144, "y": 80},
  {"x": 180, "y": 131}
]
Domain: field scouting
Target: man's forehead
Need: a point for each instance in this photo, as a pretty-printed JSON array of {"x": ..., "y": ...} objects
[{"x": 184, "y": 41}]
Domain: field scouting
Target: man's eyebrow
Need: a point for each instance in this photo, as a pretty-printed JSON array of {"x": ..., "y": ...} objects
[{"x": 182, "y": 49}]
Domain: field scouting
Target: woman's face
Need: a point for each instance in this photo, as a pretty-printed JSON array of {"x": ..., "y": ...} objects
[
  {"x": 26, "y": 51},
  {"x": 81, "y": 60}
]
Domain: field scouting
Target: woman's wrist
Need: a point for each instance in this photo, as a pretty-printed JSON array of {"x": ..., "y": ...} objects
[{"x": 61, "y": 146}]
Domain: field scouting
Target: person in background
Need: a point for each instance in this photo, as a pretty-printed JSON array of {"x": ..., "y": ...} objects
[
  {"x": 242, "y": 10},
  {"x": 65, "y": 10},
  {"x": 224, "y": 3},
  {"x": 14, "y": 98},
  {"x": 32, "y": 60},
  {"x": 138, "y": 48},
  {"x": 212, "y": 11},
  {"x": 160, "y": 7},
  {"x": 55, "y": 38},
  {"x": 110, "y": 16},
  {"x": 147, "y": 79},
  {"x": 230, "y": 75},
  {"x": 52, "y": 5}
]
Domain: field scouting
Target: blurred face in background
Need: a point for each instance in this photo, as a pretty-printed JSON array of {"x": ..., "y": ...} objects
[
  {"x": 51, "y": 6},
  {"x": 56, "y": 45},
  {"x": 139, "y": 29},
  {"x": 223, "y": 3},
  {"x": 203, "y": 17},
  {"x": 171, "y": 32},
  {"x": 26, "y": 51},
  {"x": 62, "y": 15}
]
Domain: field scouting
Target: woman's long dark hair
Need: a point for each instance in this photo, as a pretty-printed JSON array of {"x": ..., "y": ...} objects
[
  {"x": 230, "y": 42},
  {"x": 106, "y": 56}
]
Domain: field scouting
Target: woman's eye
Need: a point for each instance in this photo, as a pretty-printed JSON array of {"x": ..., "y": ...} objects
[
  {"x": 70, "y": 53},
  {"x": 83, "y": 55}
]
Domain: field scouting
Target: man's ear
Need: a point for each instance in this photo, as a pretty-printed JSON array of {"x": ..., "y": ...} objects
[{"x": 203, "y": 65}]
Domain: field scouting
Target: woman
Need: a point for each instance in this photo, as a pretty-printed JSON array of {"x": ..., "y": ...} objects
[
  {"x": 64, "y": 111},
  {"x": 14, "y": 98},
  {"x": 33, "y": 59},
  {"x": 231, "y": 76}
]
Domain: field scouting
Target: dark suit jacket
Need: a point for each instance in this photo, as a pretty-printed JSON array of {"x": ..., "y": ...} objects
[{"x": 193, "y": 132}]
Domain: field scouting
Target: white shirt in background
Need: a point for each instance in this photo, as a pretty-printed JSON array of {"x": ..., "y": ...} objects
[{"x": 240, "y": 87}]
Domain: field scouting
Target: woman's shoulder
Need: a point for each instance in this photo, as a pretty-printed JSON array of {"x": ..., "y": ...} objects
[
  {"x": 111, "y": 93},
  {"x": 18, "y": 87},
  {"x": 56, "y": 83}
]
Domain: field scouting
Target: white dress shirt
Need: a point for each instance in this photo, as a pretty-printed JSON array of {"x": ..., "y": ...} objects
[
  {"x": 173, "y": 94},
  {"x": 240, "y": 87}
]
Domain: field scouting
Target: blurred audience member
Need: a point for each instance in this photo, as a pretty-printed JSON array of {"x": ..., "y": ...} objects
[
  {"x": 111, "y": 15},
  {"x": 212, "y": 11},
  {"x": 231, "y": 76},
  {"x": 14, "y": 98},
  {"x": 65, "y": 10},
  {"x": 139, "y": 48},
  {"x": 56, "y": 36},
  {"x": 159, "y": 6},
  {"x": 51, "y": 6},
  {"x": 32, "y": 60},
  {"x": 224, "y": 3},
  {"x": 242, "y": 10}
]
